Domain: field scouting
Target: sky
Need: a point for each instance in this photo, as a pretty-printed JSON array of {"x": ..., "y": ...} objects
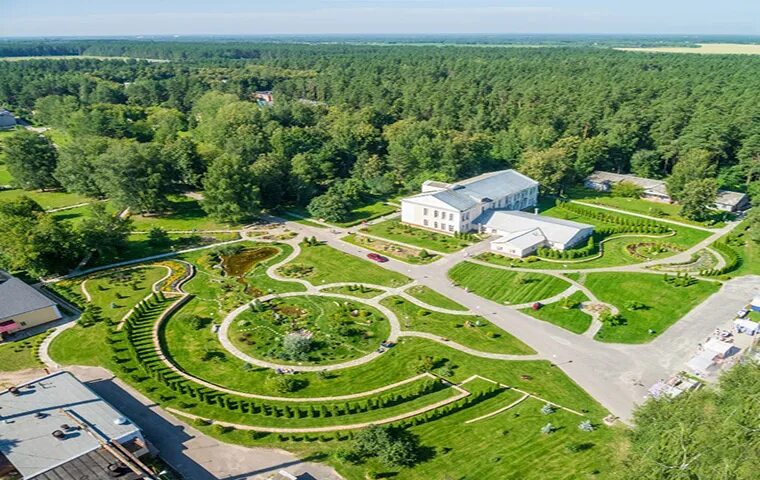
[{"x": 258, "y": 17}]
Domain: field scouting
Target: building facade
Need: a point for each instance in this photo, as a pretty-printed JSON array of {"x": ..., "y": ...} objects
[
  {"x": 22, "y": 306},
  {"x": 452, "y": 208}
]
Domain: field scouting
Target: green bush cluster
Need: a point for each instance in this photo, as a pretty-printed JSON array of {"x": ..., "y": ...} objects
[
  {"x": 681, "y": 279},
  {"x": 729, "y": 255}
]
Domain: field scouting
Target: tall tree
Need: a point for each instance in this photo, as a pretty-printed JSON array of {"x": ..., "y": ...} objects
[
  {"x": 31, "y": 160},
  {"x": 77, "y": 165},
  {"x": 136, "y": 175},
  {"x": 695, "y": 165},
  {"x": 230, "y": 190},
  {"x": 550, "y": 168},
  {"x": 103, "y": 232},
  {"x": 698, "y": 198}
]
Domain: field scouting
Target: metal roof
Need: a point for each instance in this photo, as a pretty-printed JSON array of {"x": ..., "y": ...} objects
[
  {"x": 466, "y": 194},
  {"x": 17, "y": 297},
  {"x": 554, "y": 229},
  {"x": 29, "y": 418}
]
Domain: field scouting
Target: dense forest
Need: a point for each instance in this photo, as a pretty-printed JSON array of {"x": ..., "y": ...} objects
[{"x": 352, "y": 122}]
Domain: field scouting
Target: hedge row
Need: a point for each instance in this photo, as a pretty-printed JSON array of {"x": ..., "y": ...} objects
[
  {"x": 637, "y": 225},
  {"x": 138, "y": 329},
  {"x": 729, "y": 255}
]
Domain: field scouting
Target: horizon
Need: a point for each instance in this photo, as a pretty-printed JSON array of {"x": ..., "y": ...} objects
[{"x": 80, "y": 18}]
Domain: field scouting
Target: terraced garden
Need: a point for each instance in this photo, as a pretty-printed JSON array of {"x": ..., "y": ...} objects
[
  {"x": 505, "y": 286},
  {"x": 168, "y": 350}
]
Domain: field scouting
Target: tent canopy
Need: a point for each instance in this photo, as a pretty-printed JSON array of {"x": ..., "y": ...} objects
[
  {"x": 701, "y": 362},
  {"x": 718, "y": 347}
]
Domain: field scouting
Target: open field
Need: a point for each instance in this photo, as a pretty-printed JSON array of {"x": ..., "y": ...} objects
[
  {"x": 703, "y": 48},
  {"x": 47, "y": 200},
  {"x": 184, "y": 214},
  {"x": 668, "y": 211},
  {"x": 572, "y": 319},
  {"x": 504, "y": 286},
  {"x": 748, "y": 250},
  {"x": 431, "y": 297},
  {"x": 21, "y": 354},
  {"x": 645, "y": 302},
  {"x": 394, "y": 230},
  {"x": 323, "y": 264},
  {"x": 469, "y": 330}
]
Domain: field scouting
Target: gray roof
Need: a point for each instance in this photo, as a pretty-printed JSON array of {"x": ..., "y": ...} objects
[
  {"x": 17, "y": 297},
  {"x": 92, "y": 465},
  {"x": 26, "y": 440},
  {"x": 466, "y": 194},
  {"x": 555, "y": 229},
  {"x": 733, "y": 199}
]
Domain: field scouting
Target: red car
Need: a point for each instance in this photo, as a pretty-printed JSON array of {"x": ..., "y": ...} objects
[{"x": 376, "y": 257}]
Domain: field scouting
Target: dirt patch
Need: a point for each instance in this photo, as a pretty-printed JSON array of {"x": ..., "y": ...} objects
[{"x": 240, "y": 263}]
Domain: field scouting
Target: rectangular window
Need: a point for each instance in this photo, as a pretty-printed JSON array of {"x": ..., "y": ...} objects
[
  {"x": 451, "y": 216},
  {"x": 435, "y": 213},
  {"x": 443, "y": 226},
  {"x": 451, "y": 228},
  {"x": 424, "y": 211},
  {"x": 435, "y": 224},
  {"x": 425, "y": 222}
]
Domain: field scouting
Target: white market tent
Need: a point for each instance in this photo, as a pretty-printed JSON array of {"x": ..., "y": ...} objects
[
  {"x": 718, "y": 347},
  {"x": 701, "y": 362},
  {"x": 746, "y": 326},
  {"x": 755, "y": 304}
]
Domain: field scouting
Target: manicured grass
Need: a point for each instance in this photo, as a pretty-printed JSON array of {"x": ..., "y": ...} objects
[
  {"x": 322, "y": 264},
  {"x": 366, "y": 213},
  {"x": 76, "y": 214},
  {"x": 664, "y": 304},
  {"x": 358, "y": 291},
  {"x": 396, "y": 231},
  {"x": 21, "y": 354},
  {"x": 82, "y": 346},
  {"x": 431, "y": 297},
  {"x": 47, "y": 200},
  {"x": 748, "y": 250},
  {"x": 572, "y": 319},
  {"x": 506, "y": 286},
  {"x": 5, "y": 176},
  {"x": 390, "y": 249},
  {"x": 339, "y": 330},
  {"x": 183, "y": 214},
  {"x": 138, "y": 245},
  {"x": 669, "y": 211},
  {"x": 469, "y": 330},
  {"x": 116, "y": 292}
]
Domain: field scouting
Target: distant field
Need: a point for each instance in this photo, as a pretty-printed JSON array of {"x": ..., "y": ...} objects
[{"x": 705, "y": 48}]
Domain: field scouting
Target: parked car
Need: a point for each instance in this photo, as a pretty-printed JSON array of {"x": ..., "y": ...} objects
[
  {"x": 376, "y": 257},
  {"x": 742, "y": 313}
]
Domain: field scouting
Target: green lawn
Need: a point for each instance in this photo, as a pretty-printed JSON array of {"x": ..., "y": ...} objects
[
  {"x": 184, "y": 214},
  {"x": 396, "y": 231},
  {"x": 358, "y": 291},
  {"x": 339, "y": 330},
  {"x": 431, "y": 297},
  {"x": 5, "y": 175},
  {"x": 667, "y": 211},
  {"x": 390, "y": 249},
  {"x": 664, "y": 304},
  {"x": 469, "y": 330},
  {"x": 323, "y": 264},
  {"x": 748, "y": 250},
  {"x": 21, "y": 354},
  {"x": 48, "y": 200},
  {"x": 504, "y": 286},
  {"x": 572, "y": 319},
  {"x": 138, "y": 245},
  {"x": 366, "y": 213}
]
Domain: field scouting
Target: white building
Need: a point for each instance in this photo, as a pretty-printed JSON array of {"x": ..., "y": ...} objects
[
  {"x": 22, "y": 306},
  {"x": 56, "y": 428},
  {"x": 521, "y": 233},
  {"x": 451, "y": 208}
]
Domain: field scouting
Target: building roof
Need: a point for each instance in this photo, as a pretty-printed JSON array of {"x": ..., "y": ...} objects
[
  {"x": 29, "y": 418},
  {"x": 92, "y": 465},
  {"x": 466, "y": 194},
  {"x": 702, "y": 361},
  {"x": 728, "y": 198},
  {"x": 17, "y": 297},
  {"x": 4, "y": 113},
  {"x": 555, "y": 230},
  {"x": 718, "y": 347},
  {"x": 524, "y": 239},
  {"x": 658, "y": 187}
]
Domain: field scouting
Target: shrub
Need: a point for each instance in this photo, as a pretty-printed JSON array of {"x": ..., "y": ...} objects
[
  {"x": 547, "y": 429},
  {"x": 548, "y": 409},
  {"x": 586, "y": 426},
  {"x": 284, "y": 383}
]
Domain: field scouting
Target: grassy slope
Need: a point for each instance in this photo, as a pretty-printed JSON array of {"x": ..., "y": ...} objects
[
  {"x": 431, "y": 297},
  {"x": 486, "y": 337},
  {"x": 570, "y": 319},
  {"x": 395, "y": 230},
  {"x": 21, "y": 354},
  {"x": 665, "y": 304},
  {"x": 749, "y": 252},
  {"x": 502, "y": 285},
  {"x": 330, "y": 266}
]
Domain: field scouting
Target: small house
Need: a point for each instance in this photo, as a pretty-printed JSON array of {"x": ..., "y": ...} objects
[
  {"x": 22, "y": 306},
  {"x": 7, "y": 120}
]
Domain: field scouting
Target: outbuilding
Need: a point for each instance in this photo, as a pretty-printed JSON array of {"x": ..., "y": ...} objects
[
  {"x": 7, "y": 120},
  {"x": 702, "y": 363},
  {"x": 22, "y": 306},
  {"x": 744, "y": 325}
]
